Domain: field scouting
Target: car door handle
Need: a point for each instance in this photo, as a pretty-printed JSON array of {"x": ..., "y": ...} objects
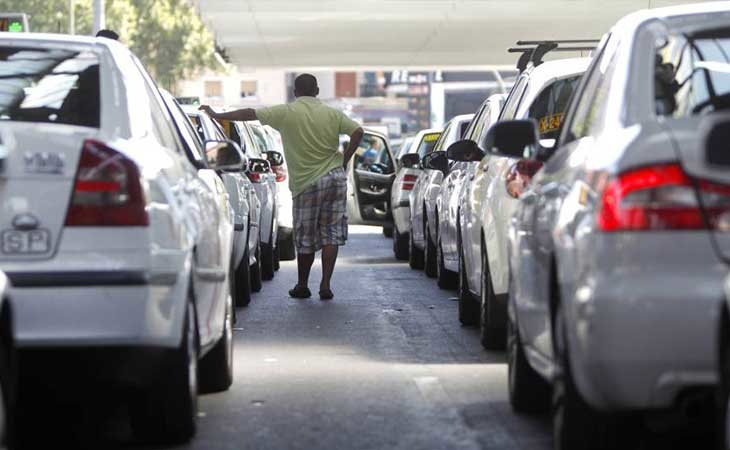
[
  {"x": 485, "y": 169},
  {"x": 471, "y": 177}
]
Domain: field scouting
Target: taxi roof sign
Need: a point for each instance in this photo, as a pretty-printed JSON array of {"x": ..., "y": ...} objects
[{"x": 14, "y": 22}]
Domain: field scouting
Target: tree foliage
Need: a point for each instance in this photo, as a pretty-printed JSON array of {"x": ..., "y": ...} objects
[{"x": 167, "y": 35}]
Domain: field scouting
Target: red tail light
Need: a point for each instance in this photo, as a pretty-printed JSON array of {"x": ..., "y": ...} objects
[
  {"x": 107, "y": 190},
  {"x": 660, "y": 198},
  {"x": 519, "y": 176},
  {"x": 255, "y": 177},
  {"x": 409, "y": 181},
  {"x": 280, "y": 172}
]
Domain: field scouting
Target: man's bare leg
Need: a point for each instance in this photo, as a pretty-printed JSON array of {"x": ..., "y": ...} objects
[
  {"x": 329, "y": 258},
  {"x": 304, "y": 266}
]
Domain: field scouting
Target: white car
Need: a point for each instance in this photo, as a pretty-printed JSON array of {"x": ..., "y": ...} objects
[
  {"x": 541, "y": 93},
  {"x": 113, "y": 244},
  {"x": 408, "y": 170},
  {"x": 451, "y": 197},
  {"x": 284, "y": 201},
  {"x": 240, "y": 189},
  {"x": 423, "y": 198}
]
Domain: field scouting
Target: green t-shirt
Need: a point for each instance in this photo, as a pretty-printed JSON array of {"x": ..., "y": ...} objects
[{"x": 310, "y": 132}]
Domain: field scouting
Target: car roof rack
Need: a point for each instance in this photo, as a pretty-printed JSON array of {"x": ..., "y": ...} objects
[{"x": 534, "y": 51}]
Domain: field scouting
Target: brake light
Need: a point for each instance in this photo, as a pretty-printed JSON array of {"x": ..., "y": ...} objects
[
  {"x": 280, "y": 172},
  {"x": 107, "y": 190},
  {"x": 409, "y": 181},
  {"x": 519, "y": 176},
  {"x": 660, "y": 198},
  {"x": 255, "y": 177}
]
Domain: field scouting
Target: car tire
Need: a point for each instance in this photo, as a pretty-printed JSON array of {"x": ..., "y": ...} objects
[
  {"x": 577, "y": 426},
  {"x": 415, "y": 255},
  {"x": 8, "y": 378},
  {"x": 468, "y": 305},
  {"x": 445, "y": 278},
  {"x": 429, "y": 254},
  {"x": 400, "y": 245},
  {"x": 287, "y": 252},
  {"x": 388, "y": 232},
  {"x": 277, "y": 259},
  {"x": 528, "y": 391},
  {"x": 723, "y": 391},
  {"x": 242, "y": 281},
  {"x": 166, "y": 412},
  {"x": 493, "y": 333},
  {"x": 255, "y": 271},
  {"x": 267, "y": 257},
  {"x": 215, "y": 371}
]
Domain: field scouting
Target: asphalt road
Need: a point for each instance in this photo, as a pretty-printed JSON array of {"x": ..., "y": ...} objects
[{"x": 385, "y": 365}]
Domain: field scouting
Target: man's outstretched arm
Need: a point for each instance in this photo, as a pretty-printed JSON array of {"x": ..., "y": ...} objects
[
  {"x": 355, "y": 139},
  {"x": 245, "y": 114}
]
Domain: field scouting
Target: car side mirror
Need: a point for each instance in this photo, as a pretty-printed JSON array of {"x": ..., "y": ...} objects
[
  {"x": 276, "y": 159},
  {"x": 410, "y": 161},
  {"x": 465, "y": 150},
  {"x": 513, "y": 139},
  {"x": 717, "y": 135},
  {"x": 257, "y": 165},
  {"x": 436, "y": 161},
  {"x": 224, "y": 155}
]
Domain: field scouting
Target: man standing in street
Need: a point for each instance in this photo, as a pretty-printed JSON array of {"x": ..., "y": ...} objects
[{"x": 310, "y": 133}]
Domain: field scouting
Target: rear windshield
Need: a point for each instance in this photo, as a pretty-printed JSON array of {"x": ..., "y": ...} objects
[
  {"x": 428, "y": 143},
  {"x": 549, "y": 107},
  {"x": 49, "y": 85},
  {"x": 692, "y": 74}
]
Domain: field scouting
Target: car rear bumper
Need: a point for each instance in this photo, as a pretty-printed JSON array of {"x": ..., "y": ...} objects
[
  {"x": 56, "y": 309},
  {"x": 402, "y": 218},
  {"x": 641, "y": 333}
]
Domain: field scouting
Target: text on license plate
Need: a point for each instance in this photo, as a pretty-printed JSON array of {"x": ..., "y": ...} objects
[{"x": 18, "y": 242}]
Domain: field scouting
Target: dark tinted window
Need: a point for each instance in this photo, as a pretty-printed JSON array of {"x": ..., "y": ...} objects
[
  {"x": 428, "y": 143},
  {"x": 462, "y": 129},
  {"x": 549, "y": 107},
  {"x": 45, "y": 85}
]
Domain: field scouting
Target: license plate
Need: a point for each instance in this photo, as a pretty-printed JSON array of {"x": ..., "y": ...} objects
[{"x": 21, "y": 242}]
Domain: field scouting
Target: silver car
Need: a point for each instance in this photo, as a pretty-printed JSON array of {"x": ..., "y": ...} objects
[
  {"x": 426, "y": 192},
  {"x": 615, "y": 283}
]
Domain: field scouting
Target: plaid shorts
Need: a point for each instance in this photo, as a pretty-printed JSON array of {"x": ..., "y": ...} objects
[{"x": 320, "y": 213}]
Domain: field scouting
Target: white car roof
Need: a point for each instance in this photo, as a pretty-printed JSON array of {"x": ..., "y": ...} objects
[
  {"x": 462, "y": 118},
  {"x": 545, "y": 74}
]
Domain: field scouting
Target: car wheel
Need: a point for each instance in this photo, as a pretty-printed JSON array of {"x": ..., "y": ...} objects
[
  {"x": 528, "y": 391},
  {"x": 468, "y": 305},
  {"x": 388, "y": 232},
  {"x": 256, "y": 271},
  {"x": 415, "y": 255},
  {"x": 216, "y": 368},
  {"x": 400, "y": 245},
  {"x": 242, "y": 281},
  {"x": 8, "y": 379},
  {"x": 286, "y": 248},
  {"x": 576, "y": 425},
  {"x": 429, "y": 253},
  {"x": 492, "y": 333},
  {"x": 445, "y": 278},
  {"x": 166, "y": 412},
  {"x": 277, "y": 258},
  {"x": 723, "y": 397},
  {"x": 267, "y": 257}
]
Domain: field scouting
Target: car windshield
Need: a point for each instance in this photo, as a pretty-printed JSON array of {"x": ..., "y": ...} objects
[
  {"x": 692, "y": 74},
  {"x": 49, "y": 85},
  {"x": 428, "y": 143},
  {"x": 372, "y": 155}
]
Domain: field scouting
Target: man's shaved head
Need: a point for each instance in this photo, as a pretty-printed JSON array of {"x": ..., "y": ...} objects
[{"x": 306, "y": 85}]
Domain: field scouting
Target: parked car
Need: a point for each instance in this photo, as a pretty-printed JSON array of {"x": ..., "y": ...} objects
[
  {"x": 454, "y": 189},
  {"x": 115, "y": 248},
  {"x": 370, "y": 175},
  {"x": 284, "y": 201},
  {"x": 409, "y": 166},
  {"x": 613, "y": 244},
  {"x": 541, "y": 93},
  {"x": 426, "y": 191},
  {"x": 8, "y": 366},
  {"x": 239, "y": 185}
]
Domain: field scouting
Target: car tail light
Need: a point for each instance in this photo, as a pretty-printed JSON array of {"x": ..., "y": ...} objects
[
  {"x": 280, "y": 172},
  {"x": 519, "y": 176},
  {"x": 107, "y": 190},
  {"x": 409, "y": 181},
  {"x": 255, "y": 177},
  {"x": 660, "y": 198}
]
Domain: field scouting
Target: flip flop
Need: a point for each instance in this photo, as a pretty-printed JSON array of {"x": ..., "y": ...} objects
[
  {"x": 300, "y": 292},
  {"x": 326, "y": 294}
]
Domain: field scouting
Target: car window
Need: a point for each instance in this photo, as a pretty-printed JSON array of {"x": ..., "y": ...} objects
[
  {"x": 427, "y": 144},
  {"x": 484, "y": 126},
  {"x": 478, "y": 118},
  {"x": 188, "y": 133},
  {"x": 443, "y": 138},
  {"x": 372, "y": 155},
  {"x": 260, "y": 138},
  {"x": 197, "y": 123},
  {"x": 462, "y": 129},
  {"x": 158, "y": 112},
  {"x": 251, "y": 148},
  {"x": 515, "y": 97},
  {"x": 549, "y": 107},
  {"x": 49, "y": 85},
  {"x": 590, "y": 107},
  {"x": 692, "y": 74}
]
